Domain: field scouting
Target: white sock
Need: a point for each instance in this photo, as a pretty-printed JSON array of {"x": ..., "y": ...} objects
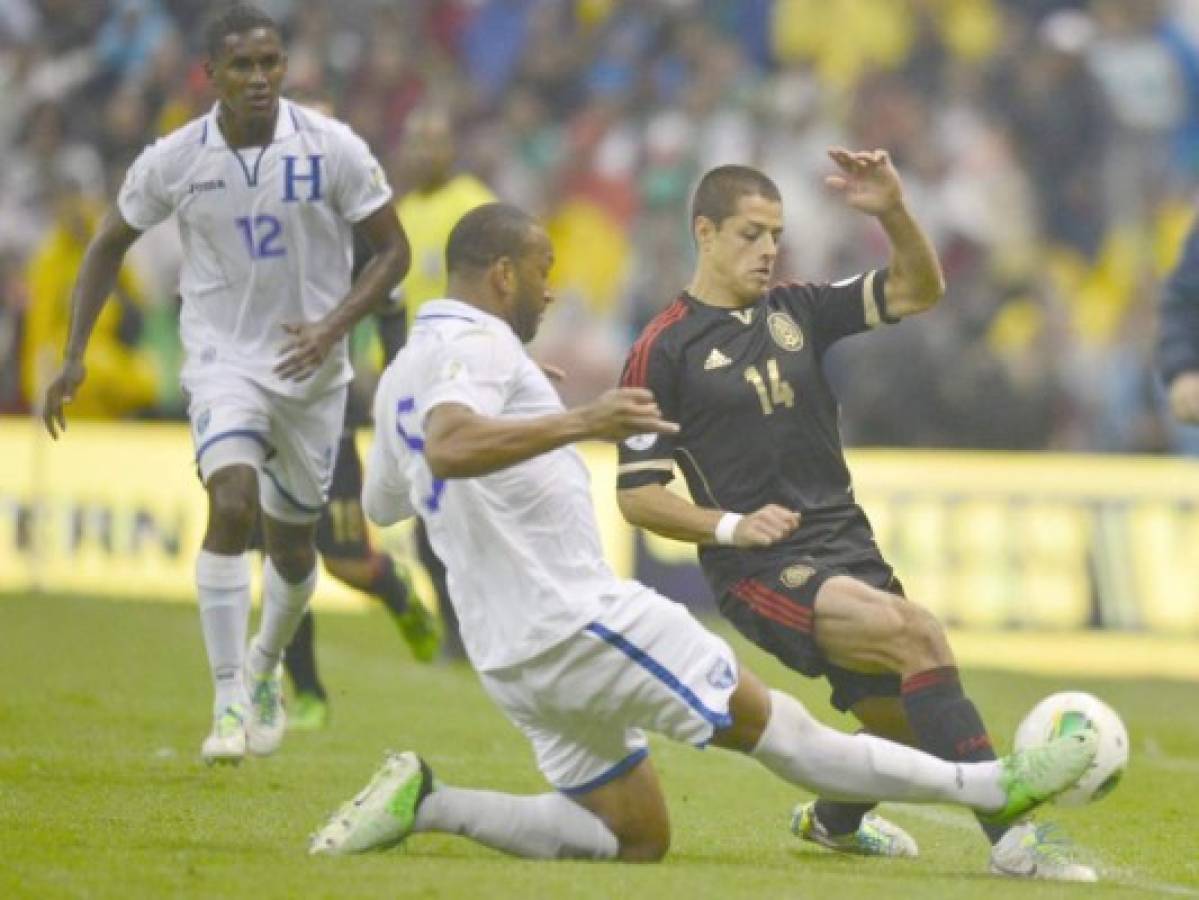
[
  {"x": 841, "y": 766},
  {"x": 283, "y": 605},
  {"x": 544, "y": 826},
  {"x": 223, "y": 590}
]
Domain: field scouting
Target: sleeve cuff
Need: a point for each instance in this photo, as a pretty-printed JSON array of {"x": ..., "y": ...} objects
[
  {"x": 644, "y": 472},
  {"x": 874, "y": 299}
]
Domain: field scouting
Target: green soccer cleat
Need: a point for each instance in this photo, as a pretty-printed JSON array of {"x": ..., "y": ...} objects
[
  {"x": 1028, "y": 850},
  {"x": 382, "y": 814},
  {"x": 226, "y": 744},
  {"x": 1036, "y": 774},
  {"x": 420, "y": 628},
  {"x": 874, "y": 837},
  {"x": 307, "y": 712}
]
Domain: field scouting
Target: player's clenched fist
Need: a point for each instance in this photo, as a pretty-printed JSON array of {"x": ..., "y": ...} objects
[
  {"x": 767, "y": 526},
  {"x": 622, "y": 412}
]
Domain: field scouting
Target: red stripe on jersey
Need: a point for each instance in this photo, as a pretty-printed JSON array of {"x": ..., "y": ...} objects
[
  {"x": 639, "y": 357},
  {"x": 775, "y": 607}
]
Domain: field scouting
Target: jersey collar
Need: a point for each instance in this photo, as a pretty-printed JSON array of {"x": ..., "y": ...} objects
[
  {"x": 727, "y": 311},
  {"x": 449, "y": 308},
  {"x": 286, "y": 124}
]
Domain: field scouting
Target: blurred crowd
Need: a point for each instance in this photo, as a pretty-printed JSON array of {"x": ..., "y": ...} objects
[{"x": 1051, "y": 148}]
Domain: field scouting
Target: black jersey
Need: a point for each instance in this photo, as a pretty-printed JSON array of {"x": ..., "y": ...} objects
[{"x": 758, "y": 421}]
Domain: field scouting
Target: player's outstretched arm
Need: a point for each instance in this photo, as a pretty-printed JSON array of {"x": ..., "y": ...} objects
[
  {"x": 93, "y": 286},
  {"x": 869, "y": 183},
  {"x": 663, "y": 512},
  {"x": 310, "y": 342},
  {"x": 460, "y": 443}
]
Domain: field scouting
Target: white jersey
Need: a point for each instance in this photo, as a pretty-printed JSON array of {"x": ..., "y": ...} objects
[
  {"x": 521, "y": 545},
  {"x": 266, "y": 236}
]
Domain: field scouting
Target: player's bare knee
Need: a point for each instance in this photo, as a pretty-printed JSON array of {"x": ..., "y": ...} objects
[
  {"x": 924, "y": 644},
  {"x": 647, "y": 846},
  {"x": 293, "y": 562},
  {"x": 233, "y": 506}
]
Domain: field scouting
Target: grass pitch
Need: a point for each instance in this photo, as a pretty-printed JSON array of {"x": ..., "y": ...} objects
[{"x": 102, "y": 794}]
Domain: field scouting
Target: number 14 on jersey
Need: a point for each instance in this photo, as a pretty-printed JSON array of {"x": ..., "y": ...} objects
[{"x": 772, "y": 390}]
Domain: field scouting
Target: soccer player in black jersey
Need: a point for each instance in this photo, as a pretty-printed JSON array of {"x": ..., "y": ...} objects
[{"x": 785, "y": 547}]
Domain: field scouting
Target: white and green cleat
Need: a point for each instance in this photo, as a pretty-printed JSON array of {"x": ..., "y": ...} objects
[
  {"x": 874, "y": 837},
  {"x": 1028, "y": 850},
  {"x": 382, "y": 814},
  {"x": 268, "y": 720},
  {"x": 226, "y": 744},
  {"x": 1031, "y": 776}
]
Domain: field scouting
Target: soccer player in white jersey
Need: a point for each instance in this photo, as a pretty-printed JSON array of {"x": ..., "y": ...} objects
[
  {"x": 266, "y": 194},
  {"x": 472, "y": 437}
]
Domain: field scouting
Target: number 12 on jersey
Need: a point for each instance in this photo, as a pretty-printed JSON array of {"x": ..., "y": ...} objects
[
  {"x": 779, "y": 393},
  {"x": 262, "y": 235}
]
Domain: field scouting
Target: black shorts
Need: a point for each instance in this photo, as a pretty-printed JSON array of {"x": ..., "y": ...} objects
[
  {"x": 341, "y": 530},
  {"x": 774, "y": 607}
]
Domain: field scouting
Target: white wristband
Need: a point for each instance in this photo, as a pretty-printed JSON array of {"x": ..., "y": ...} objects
[{"x": 725, "y": 528}]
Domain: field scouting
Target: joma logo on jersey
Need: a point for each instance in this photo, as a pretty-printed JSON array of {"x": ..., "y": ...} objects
[
  {"x": 199, "y": 187},
  {"x": 294, "y": 176}
]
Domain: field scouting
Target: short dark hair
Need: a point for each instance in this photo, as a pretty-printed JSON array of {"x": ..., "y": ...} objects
[
  {"x": 235, "y": 18},
  {"x": 487, "y": 233},
  {"x": 719, "y": 190}
]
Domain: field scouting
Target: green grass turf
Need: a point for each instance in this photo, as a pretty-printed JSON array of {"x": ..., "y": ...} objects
[{"x": 103, "y": 706}]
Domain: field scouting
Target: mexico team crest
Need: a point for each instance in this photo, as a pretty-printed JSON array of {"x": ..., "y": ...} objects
[
  {"x": 796, "y": 576},
  {"x": 784, "y": 331}
]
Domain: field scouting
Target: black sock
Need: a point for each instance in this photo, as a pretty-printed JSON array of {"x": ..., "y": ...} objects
[
  {"x": 386, "y": 584},
  {"x": 840, "y": 818},
  {"x": 300, "y": 659},
  {"x": 946, "y": 723}
]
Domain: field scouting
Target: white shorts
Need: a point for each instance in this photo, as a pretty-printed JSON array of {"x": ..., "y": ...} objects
[
  {"x": 645, "y": 663},
  {"x": 291, "y": 442}
]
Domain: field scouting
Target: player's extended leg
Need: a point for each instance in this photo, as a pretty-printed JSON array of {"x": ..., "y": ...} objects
[
  {"x": 775, "y": 729},
  {"x": 863, "y": 629},
  {"x": 851, "y": 827},
  {"x": 289, "y": 579},
  {"x": 375, "y": 573},
  {"x": 625, "y": 818},
  {"x": 451, "y": 640},
  {"x": 223, "y": 593},
  {"x": 309, "y": 709}
]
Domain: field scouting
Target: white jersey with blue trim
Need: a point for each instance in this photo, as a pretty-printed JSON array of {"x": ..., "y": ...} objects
[
  {"x": 521, "y": 546},
  {"x": 266, "y": 236}
]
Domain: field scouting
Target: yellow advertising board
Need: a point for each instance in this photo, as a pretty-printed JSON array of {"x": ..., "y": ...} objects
[{"x": 985, "y": 540}]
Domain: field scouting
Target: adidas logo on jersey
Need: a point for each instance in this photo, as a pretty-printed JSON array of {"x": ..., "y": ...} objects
[{"x": 716, "y": 360}]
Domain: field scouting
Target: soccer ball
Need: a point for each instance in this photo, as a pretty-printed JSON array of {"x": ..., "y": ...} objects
[{"x": 1060, "y": 714}]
